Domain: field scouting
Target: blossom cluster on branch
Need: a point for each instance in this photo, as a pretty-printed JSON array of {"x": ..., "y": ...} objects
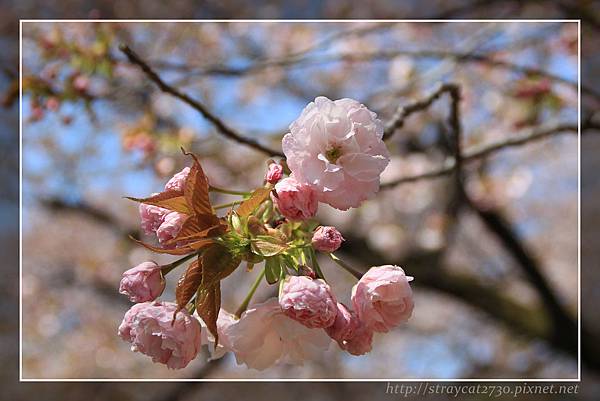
[{"x": 334, "y": 155}]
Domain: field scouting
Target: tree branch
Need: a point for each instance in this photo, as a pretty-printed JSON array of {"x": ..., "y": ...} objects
[
  {"x": 402, "y": 113},
  {"x": 295, "y": 61},
  {"x": 483, "y": 151},
  {"x": 214, "y": 120}
]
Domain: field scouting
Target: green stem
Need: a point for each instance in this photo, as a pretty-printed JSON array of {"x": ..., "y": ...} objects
[
  {"x": 346, "y": 267},
  {"x": 248, "y": 298},
  {"x": 167, "y": 268},
  {"x": 225, "y": 205},
  {"x": 212, "y": 188}
]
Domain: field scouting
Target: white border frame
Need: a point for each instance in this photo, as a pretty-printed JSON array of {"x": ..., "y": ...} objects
[{"x": 393, "y": 380}]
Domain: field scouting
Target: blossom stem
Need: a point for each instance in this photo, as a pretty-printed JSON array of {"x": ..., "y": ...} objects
[
  {"x": 248, "y": 298},
  {"x": 346, "y": 267},
  {"x": 212, "y": 188},
  {"x": 167, "y": 268},
  {"x": 225, "y": 205}
]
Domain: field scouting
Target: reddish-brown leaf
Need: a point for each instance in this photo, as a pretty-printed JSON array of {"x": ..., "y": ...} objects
[
  {"x": 174, "y": 251},
  {"x": 218, "y": 263},
  {"x": 208, "y": 304},
  {"x": 249, "y": 205},
  {"x": 172, "y": 200},
  {"x": 198, "y": 226},
  {"x": 195, "y": 189},
  {"x": 188, "y": 284}
]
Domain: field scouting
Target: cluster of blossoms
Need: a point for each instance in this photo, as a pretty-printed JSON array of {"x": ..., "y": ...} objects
[{"x": 334, "y": 155}]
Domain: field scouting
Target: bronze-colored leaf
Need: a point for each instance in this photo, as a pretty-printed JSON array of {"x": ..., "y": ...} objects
[
  {"x": 188, "y": 284},
  {"x": 172, "y": 251},
  {"x": 172, "y": 200},
  {"x": 249, "y": 205},
  {"x": 208, "y": 304},
  {"x": 195, "y": 189},
  {"x": 218, "y": 263},
  {"x": 198, "y": 226}
]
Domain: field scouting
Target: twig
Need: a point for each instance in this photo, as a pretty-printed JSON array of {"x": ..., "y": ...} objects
[
  {"x": 398, "y": 119},
  {"x": 216, "y": 121},
  {"x": 295, "y": 61},
  {"x": 481, "y": 152}
]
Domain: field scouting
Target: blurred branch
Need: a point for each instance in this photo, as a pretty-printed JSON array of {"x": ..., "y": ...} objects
[
  {"x": 480, "y": 152},
  {"x": 221, "y": 127},
  {"x": 295, "y": 61},
  {"x": 563, "y": 327},
  {"x": 398, "y": 119}
]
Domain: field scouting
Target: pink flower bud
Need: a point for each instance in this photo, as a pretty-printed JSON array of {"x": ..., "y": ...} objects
[
  {"x": 177, "y": 182},
  {"x": 274, "y": 173},
  {"x": 170, "y": 226},
  {"x": 294, "y": 200},
  {"x": 345, "y": 324},
  {"x": 327, "y": 239},
  {"x": 308, "y": 301},
  {"x": 150, "y": 329},
  {"x": 143, "y": 282},
  {"x": 382, "y": 298},
  {"x": 151, "y": 217}
]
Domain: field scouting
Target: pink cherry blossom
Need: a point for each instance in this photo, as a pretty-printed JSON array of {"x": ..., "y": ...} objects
[
  {"x": 177, "y": 182},
  {"x": 274, "y": 173},
  {"x": 170, "y": 226},
  {"x": 143, "y": 282},
  {"x": 151, "y": 217},
  {"x": 309, "y": 302},
  {"x": 264, "y": 336},
  {"x": 147, "y": 326},
  {"x": 294, "y": 200},
  {"x": 337, "y": 147},
  {"x": 382, "y": 298},
  {"x": 345, "y": 324},
  {"x": 327, "y": 239},
  {"x": 360, "y": 342}
]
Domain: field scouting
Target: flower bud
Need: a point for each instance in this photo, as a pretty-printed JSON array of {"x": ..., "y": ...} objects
[
  {"x": 327, "y": 239},
  {"x": 177, "y": 182},
  {"x": 294, "y": 200},
  {"x": 151, "y": 217},
  {"x": 274, "y": 173},
  {"x": 143, "y": 282},
  {"x": 170, "y": 227}
]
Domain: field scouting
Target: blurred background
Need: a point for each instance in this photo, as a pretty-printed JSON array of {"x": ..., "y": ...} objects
[{"x": 496, "y": 281}]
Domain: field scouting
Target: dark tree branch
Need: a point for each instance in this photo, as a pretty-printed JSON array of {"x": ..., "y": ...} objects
[
  {"x": 481, "y": 152},
  {"x": 564, "y": 327},
  {"x": 221, "y": 127},
  {"x": 403, "y": 112}
]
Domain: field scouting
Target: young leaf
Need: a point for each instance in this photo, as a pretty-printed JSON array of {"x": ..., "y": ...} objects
[
  {"x": 208, "y": 304},
  {"x": 218, "y": 263},
  {"x": 249, "y": 205},
  {"x": 195, "y": 189},
  {"x": 172, "y": 251},
  {"x": 188, "y": 284},
  {"x": 198, "y": 227},
  {"x": 267, "y": 248},
  {"x": 272, "y": 269},
  {"x": 172, "y": 200}
]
